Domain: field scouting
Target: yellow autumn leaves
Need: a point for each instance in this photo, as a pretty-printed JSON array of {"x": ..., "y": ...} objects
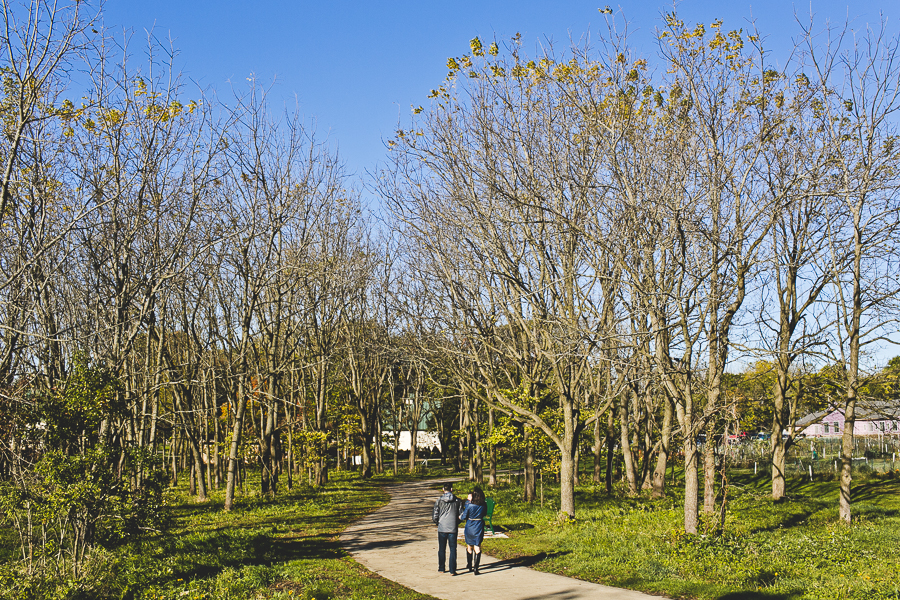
[{"x": 140, "y": 103}]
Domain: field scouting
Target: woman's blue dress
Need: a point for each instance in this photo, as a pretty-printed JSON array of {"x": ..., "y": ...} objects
[{"x": 473, "y": 515}]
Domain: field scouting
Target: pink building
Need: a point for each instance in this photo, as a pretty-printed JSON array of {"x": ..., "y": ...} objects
[{"x": 872, "y": 419}]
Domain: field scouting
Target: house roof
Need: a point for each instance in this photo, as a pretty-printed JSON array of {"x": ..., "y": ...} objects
[
  {"x": 813, "y": 418},
  {"x": 868, "y": 410}
]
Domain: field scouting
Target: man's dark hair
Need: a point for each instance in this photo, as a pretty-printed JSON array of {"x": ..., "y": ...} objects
[{"x": 448, "y": 487}]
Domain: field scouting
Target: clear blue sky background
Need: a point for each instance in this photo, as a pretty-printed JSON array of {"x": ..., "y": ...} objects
[{"x": 356, "y": 67}]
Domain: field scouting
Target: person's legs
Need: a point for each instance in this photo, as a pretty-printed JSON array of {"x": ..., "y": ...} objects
[
  {"x": 477, "y": 561},
  {"x": 468, "y": 557},
  {"x": 442, "y": 550},
  {"x": 452, "y": 541}
]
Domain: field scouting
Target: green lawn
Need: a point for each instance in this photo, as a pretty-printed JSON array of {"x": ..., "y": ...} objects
[
  {"x": 279, "y": 549},
  {"x": 288, "y": 547},
  {"x": 791, "y": 549}
]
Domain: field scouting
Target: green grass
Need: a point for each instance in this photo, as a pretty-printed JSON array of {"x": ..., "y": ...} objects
[
  {"x": 795, "y": 548},
  {"x": 278, "y": 549},
  {"x": 288, "y": 547}
]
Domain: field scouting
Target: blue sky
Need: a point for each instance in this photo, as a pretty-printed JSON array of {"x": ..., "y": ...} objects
[{"x": 356, "y": 67}]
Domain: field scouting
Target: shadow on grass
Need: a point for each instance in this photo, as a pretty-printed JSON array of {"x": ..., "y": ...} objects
[
  {"x": 815, "y": 489},
  {"x": 794, "y": 520},
  {"x": 826, "y": 490},
  {"x": 804, "y": 500},
  {"x": 875, "y": 490},
  {"x": 521, "y": 561},
  {"x": 259, "y": 550},
  {"x": 514, "y": 527},
  {"x": 563, "y": 595},
  {"x": 261, "y": 532},
  {"x": 755, "y": 596},
  {"x": 185, "y": 508},
  {"x": 873, "y": 511}
]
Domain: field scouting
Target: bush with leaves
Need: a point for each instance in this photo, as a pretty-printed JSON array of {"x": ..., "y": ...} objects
[{"x": 71, "y": 499}]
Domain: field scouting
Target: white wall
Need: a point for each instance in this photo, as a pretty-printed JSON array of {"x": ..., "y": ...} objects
[{"x": 424, "y": 439}]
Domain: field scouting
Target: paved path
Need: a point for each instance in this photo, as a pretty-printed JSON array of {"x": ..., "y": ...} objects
[{"x": 399, "y": 542}]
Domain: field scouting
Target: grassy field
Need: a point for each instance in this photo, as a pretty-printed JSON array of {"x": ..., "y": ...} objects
[
  {"x": 288, "y": 547},
  {"x": 278, "y": 549},
  {"x": 791, "y": 549}
]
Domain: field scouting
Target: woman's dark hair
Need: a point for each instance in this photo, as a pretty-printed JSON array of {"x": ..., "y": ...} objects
[{"x": 478, "y": 496}]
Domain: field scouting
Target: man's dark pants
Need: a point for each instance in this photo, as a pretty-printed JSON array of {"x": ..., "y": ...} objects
[{"x": 443, "y": 540}]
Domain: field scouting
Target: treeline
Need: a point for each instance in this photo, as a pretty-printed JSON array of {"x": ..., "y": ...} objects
[
  {"x": 600, "y": 234},
  {"x": 573, "y": 250},
  {"x": 191, "y": 288},
  {"x": 187, "y": 283}
]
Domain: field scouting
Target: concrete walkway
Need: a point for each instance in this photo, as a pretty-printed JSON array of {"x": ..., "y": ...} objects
[{"x": 399, "y": 542}]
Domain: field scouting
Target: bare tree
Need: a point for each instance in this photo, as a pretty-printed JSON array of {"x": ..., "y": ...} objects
[
  {"x": 499, "y": 194},
  {"x": 857, "y": 79},
  {"x": 41, "y": 41},
  {"x": 279, "y": 185},
  {"x": 797, "y": 272}
]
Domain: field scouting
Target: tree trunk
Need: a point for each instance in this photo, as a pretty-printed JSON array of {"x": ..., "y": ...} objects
[
  {"x": 460, "y": 441},
  {"x": 379, "y": 458},
  {"x": 844, "y": 503},
  {"x": 396, "y": 452},
  {"x": 231, "y": 476},
  {"x": 321, "y": 424},
  {"x": 267, "y": 454},
  {"x": 598, "y": 451},
  {"x": 852, "y": 389},
  {"x": 529, "y": 465},
  {"x": 610, "y": 450},
  {"x": 691, "y": 486},
  {"x": 289, "y": 412},
  {"x": 709, "y": 468},
  {"x": 627, "y": 455},
  {"x": 470, "y": 438},
  {"x": 198, "y": 467},
  {"x": 414, "y": 417},
  {"x": 365, "y": 423},
  {"x": 479, "y": 455},
  {"x": 779, "y": 462},
  {"x": 567, "y": 463},
  {"x": 659, "y": 474},
  {"x": 216, "y": 437},
  {"x": 492, "y": 457},
  {"x": 567, "y": 483}
]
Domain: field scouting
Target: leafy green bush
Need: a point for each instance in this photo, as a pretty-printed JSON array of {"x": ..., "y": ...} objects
[{"x": 69, "y": 500}]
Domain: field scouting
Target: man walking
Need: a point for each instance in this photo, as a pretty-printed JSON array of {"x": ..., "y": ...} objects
[{"x": 446, "y": 517}]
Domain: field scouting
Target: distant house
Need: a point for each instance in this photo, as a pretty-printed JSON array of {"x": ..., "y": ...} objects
[
  {"x": 872, "y": 419},
  {"x": 424, "y": 440}
]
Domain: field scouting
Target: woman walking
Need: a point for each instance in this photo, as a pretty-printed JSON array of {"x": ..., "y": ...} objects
[{"x": 473, "y": 514}]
